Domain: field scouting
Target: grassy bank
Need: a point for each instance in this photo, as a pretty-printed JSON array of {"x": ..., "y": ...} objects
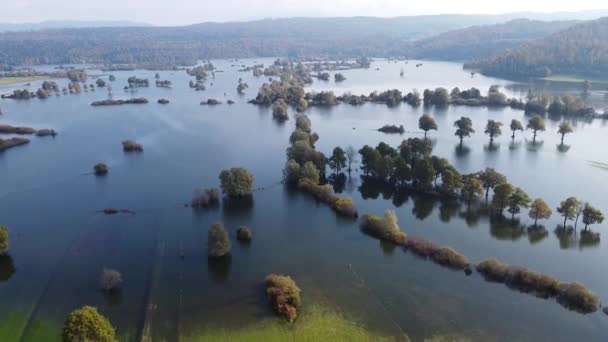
[
  {"x": 13, "y": 80},
  {"x": 571, "y": 79},
  {"x": 317, "y": 323}
]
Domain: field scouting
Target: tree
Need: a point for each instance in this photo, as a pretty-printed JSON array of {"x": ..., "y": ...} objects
[
  {"x": 536, "y": 123},
  {"x": 451, "y": 181},
  {"x": 591, "y": 215},
  {"x": 518, "y": 200},
  {"x": 218, "y": 243},
  {"x": 303, "y": 122},
  {"x": 112, "y": 78},
  {"x": 516, "y": 126},
  {"x": 424, "y": 173},
  {"x": 236, "y": 182},
  {"x": 401, "y": 171},
  {"x": 471, "y": 187},
  {"x": 464, "y": 128},
  {"x": 87, "y": 324},
  {"x": 493, "y": 129},
  {"x": 100, "y": 83},
  {"x": 567, "y": 208},
  {"x": 351, "y": 156},
  {"x": 291, "y": 172},
  {"x": 539, "y": 210},
  {"x": 3, "y": 240},
  {"x": 502, "y": 193},
  {"x": 490, "y": 178},
  {"x": 337, "y": 161},
  {"x": 427, "y": 123},
  {"x": 440, "y": 165},
  {"x": 564, "y": 128}
]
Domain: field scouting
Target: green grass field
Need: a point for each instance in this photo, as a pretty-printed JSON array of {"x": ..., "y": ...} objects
[
  {"x": 14, "y": 80},
  {"x": 316, "y": 323}
]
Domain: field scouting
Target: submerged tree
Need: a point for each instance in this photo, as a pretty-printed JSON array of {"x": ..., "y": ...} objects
[
  {"x": 536, "y": 123},
  {"x": 568, "y": 209},
  {"x": 591, "y": 215},
  {"x": 427, "y": 123},
  {"x": 351, "y": 156},
  {"x": 518, "y": 200},
  {"x": 218, "y": 243},
  {"x": 337, "y": 161},
  {"x": 490, "y": 178},
  {"x": 493, "y": 129},
  {"x": 471, "y": 187},
  {"x": 464, "y": 128},
  {"x": 539, "y": 210},
  {"x": 236, "y": 182},
  {"x": 502, "y": 193},
  {"x": 564, "y": 128},
  {"x": 516, "y": 126}
]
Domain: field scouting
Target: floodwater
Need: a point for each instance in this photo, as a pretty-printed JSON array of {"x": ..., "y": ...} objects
[{"x": 60, "y": 242}]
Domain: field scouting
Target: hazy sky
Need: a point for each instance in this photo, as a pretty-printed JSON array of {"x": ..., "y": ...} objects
[{"x": 179, "y": 12}]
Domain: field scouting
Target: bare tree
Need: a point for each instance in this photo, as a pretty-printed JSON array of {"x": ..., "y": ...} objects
[{"x": 351, "y": 156}]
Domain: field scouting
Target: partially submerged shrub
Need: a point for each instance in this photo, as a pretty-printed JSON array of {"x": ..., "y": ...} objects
[
  {"x": 243, "y": 234},
  {"x": 110, "y": 280},
  {"x": 87, "y": 324},
  {"x": 385, "y": 228},
  {"x": 236, "y": 182},
  {"x": 131, "y": 146},
  {"x": 447, "y": 256},
  {"x": 218, "y": 243},
  {"x": 577, "y": 297},
  {"x": 493, "y": 270},
  {"x": 323, "y": 193},
  {"x": 526, "y": 280},
  {"x": 100, "y": 169},
  {"x": 110, "y": 211},
  {"x": 46, "y": 132},
  {"x": 421, "y": 247},
  {"x": 205, "y": 198},
  {"x": 3, "y": 240},
  {"x": 284, "y": 295},
  {"x": 345, "y": 207}
]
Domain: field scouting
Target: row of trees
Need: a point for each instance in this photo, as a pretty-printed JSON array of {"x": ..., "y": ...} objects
[
  {"x": 493, "y": 128},
  {"x": 412, "y": 165}
]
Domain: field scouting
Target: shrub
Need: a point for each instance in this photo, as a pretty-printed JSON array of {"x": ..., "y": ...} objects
[
  {"x": 310, "y": 172},
  {"x": 236, "y": 182},
  {"x": 526, "y": 280},
  {"x": 447, "y": 256},
  {"x": 100, "y": 169},
  {"x": 493, "y": 270},
  {"x": 110, "y": 280},
  {"x": 243, "y": 234},
  {"x": 385, "y": 228},
  {"x": 131, "y": 146},
  {"x": 87, "y": 324},
  {"x": 323, "y": 193},
  {"x": 3, "y": 240},
  {"x": 110, "y": 211},
  {"x": 45, "y": 132},
  {"x": 163, "y": 101},
  {"x": 577, "y": 297},
  {"x": 205, "y": 198},
  {"x": 421, "y": 247},
  {"x": 283, "y": 295},
  {"x": 279, "y": 110},
  {"x": 303, "y": 122},
  {"x": 291, "y": 172},
  {"x": 345, "y": 207},
  {"x": 218, "y": 243}
]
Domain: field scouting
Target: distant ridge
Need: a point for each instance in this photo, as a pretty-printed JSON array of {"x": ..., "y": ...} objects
[{"x": 57, "y": 24}]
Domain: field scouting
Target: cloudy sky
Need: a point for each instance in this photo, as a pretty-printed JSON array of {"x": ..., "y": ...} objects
[{"x": 179, "y": 12}]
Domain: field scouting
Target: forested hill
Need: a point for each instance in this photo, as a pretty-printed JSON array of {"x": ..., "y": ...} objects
[
  {"x": 478, "y": 42},
  {"x": 581, "y": 49},
  {"x": 335, "y": 37}
]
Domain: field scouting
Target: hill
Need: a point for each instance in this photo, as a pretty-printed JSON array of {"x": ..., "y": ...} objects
[
  {"x": 54, "y": 24},
  {"x": 484, "y": 41},
  {"x": 580, "y": 50},
  {"x": 335, "y": 37}
]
